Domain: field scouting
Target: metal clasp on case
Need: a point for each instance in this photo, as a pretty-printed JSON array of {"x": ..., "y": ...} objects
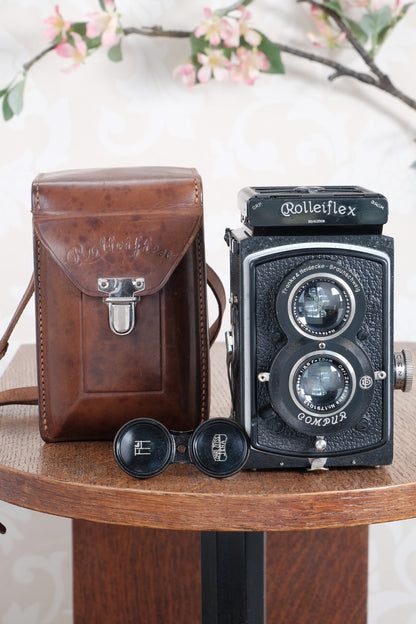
[{"x": 121, "y": 301}]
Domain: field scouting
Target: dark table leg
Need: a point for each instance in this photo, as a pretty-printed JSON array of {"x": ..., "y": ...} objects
[
  {"x": 148, "y": 576},
  {"x": 233, "y": 576}
]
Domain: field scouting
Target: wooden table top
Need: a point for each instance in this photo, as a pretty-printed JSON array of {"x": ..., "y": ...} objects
[{"x": 81, "y": 479}]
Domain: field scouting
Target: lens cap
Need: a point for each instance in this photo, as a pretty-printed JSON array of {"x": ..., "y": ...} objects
[
  {"x": 143, "y": 448},
  {"x": 219, "y": 447}
]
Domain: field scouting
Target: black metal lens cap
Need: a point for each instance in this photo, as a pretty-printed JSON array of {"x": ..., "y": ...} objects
[
  {"x": 143, "y": 448},
  {"x": 219, "y": 447}
]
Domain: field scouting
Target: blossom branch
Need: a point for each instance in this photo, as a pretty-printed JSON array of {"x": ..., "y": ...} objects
[
  {"x": 343, "y": 26},
  {"x": 27, "y": 66},
  {"x": 382, "y": 80},
  {"x": 156, "y": 31},
  {"x": 224, "y": 45},
  {"x": 385, "y": 84}
]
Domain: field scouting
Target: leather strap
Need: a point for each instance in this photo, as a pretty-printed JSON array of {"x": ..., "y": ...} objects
[
  {"x": 29, "y": 395},
  {"x": 217, "y": 288},
  {"x": 4, "y": 341}
]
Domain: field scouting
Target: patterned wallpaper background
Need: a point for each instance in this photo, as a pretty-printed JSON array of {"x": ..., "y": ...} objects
[{"x": 289, "y": 129}]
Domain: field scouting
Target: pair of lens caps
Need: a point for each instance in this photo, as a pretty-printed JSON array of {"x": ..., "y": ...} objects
[{"x": 144, "y": 447}]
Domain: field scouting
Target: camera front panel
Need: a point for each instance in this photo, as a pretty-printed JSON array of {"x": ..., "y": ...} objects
[{"x": 316, "y": 351}]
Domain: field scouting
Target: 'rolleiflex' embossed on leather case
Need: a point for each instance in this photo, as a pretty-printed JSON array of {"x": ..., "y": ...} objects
[{"x": 121, "y": 300}]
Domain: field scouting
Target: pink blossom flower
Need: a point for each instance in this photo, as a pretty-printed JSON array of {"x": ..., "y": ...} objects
[
  {"x": 104, "y": 24},
  {"x": 247, "y": 65},
  {"x": 231, "y": 32},
  {"x": 214, "y": 28},
  {"x": 188, "y": 73},
  {"x": 327, "y": 35},
  {"x": 214, "y": 64},
  {"x": 398, "y": 5},
  {"x": 252, "y": 37},
  {"x": 56, "y": 26},
  {"x": 77, "y": 52}
]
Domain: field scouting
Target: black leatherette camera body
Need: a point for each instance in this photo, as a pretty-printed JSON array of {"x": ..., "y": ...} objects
[{"x": 311, "y": 344}]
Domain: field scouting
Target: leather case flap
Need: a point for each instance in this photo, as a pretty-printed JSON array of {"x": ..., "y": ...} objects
[{"x": 130, "y": 222}]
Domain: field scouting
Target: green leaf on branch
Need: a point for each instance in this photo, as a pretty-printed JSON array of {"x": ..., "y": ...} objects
[
  {"x": 197, "y": 45},
  {"x": 272, "y": 52},
  {"x": 6, "y": 109},
  {"x": 374, "y": 23},
  {"x": 93, "y": 43},
  {"x": 357, "y": 31},
  {"x": 383, "y": 34},
  {"x": 102, "y": 5},
  {"x": 115, "y": 54},
  {"x": 354, "y": 26},
  {"x": 80, "y": 28},
  {"x": 334, "y": 6},
  {"x": 15, "y": 97}
]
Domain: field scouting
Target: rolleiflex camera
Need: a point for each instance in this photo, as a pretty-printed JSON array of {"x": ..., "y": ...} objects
[{"x": 310, "y": 351}]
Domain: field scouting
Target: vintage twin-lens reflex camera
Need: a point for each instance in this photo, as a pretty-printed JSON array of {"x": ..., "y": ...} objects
[{"x": 310, "y": 351}]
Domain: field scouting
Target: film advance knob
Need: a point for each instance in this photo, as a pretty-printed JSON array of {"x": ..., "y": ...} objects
[
  {"x": 403, "y": 370},
  {"x": 143, "y": 448}
]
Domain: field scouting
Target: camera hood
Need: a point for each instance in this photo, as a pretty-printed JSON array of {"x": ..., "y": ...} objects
[{"x": 276, "y": 208}]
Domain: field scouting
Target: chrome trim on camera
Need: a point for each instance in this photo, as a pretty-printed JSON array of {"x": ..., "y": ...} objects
[
  {"x": 263, "y": 377},
  {"x": 331, "y": 355},
  {"x": 249, "y": 292},
  {"x": 337, "y": 281},
  {"x": 317, "y": 464}
]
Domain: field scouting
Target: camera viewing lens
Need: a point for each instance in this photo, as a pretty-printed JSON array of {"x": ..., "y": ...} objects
[
  {"x": 323, "y": 384},
  {"x": 321, "y": 306}
]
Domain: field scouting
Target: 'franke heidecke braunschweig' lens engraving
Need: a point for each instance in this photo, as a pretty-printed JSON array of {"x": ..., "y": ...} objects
[
  {"x": 318, "y": 302},
  {"x": 310, "y": 349},
  {"x": 321, "y": 305}
]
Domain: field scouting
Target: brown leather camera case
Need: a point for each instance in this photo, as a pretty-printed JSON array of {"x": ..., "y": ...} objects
[{"x": 140, "y": 226}]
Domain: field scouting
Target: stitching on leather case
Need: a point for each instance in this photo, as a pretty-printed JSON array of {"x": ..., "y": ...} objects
[
  {"x": 202, "y": 317},
  {"x": 202, "y": 326},
  {"x": 42, "y": 402},
  {"x": 37, "y": 197}
]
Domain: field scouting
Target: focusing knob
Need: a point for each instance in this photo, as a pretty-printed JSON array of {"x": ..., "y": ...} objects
[{"x": 403, "y": 370}]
